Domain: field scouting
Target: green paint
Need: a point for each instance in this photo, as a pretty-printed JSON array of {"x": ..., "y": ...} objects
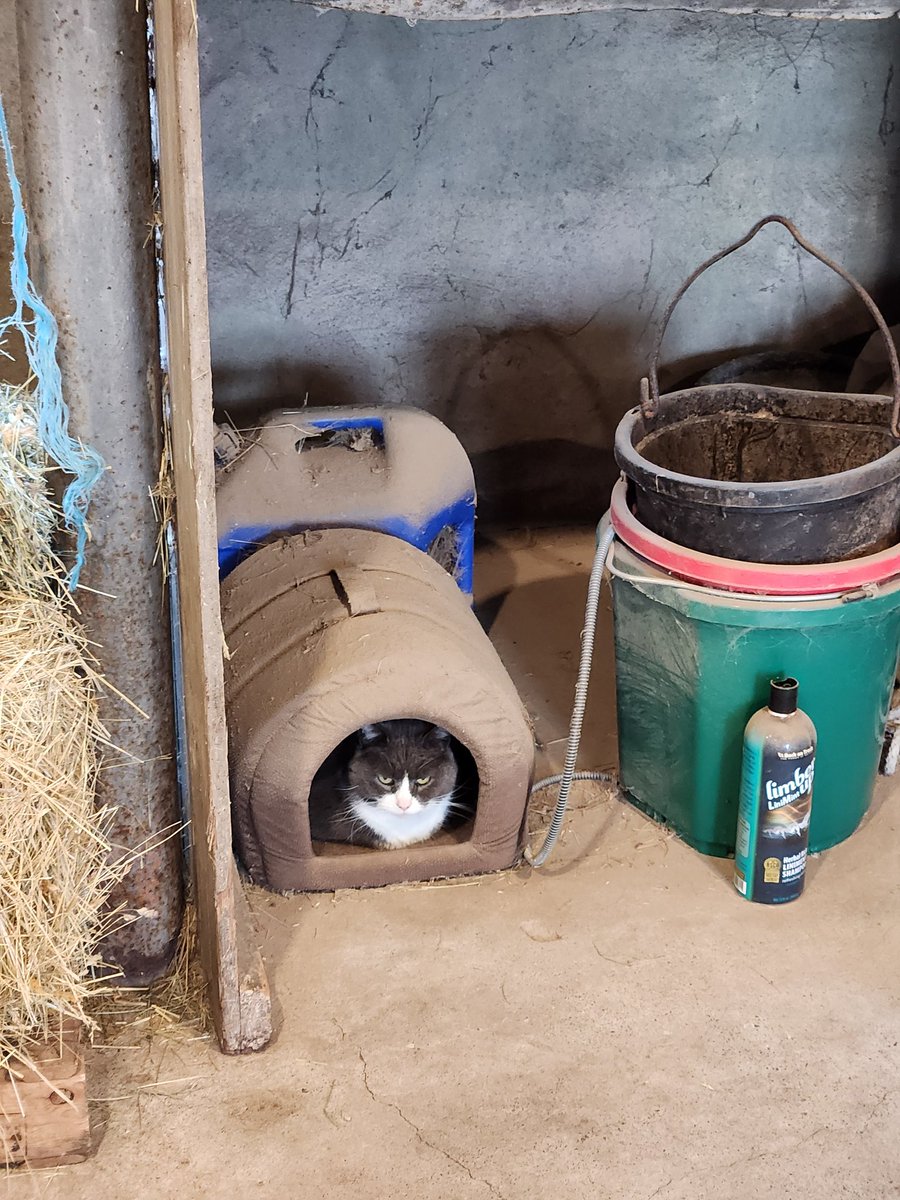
[
  {"x": 692, "y": 668},
  {"x": 748, "y": 816}
]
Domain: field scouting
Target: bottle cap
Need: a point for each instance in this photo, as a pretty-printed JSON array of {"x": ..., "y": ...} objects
[{"x": 783, "y": 696}]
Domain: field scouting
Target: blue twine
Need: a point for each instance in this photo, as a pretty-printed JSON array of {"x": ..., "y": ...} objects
[{"x": 39, "y": 334}]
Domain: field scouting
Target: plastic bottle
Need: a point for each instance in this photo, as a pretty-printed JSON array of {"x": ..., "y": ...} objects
[{"x": 775, "y": 799}]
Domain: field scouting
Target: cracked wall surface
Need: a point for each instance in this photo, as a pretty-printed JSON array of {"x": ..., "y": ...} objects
[{"x": 486, "y": 219}]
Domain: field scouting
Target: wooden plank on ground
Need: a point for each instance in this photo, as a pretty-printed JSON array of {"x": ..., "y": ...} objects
[
  {"x": 43, "y": 1105},
  {"x": 239, "y": 995}
]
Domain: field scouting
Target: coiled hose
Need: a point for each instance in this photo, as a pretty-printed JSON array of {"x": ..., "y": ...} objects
[{"x": 605, "y": 538}]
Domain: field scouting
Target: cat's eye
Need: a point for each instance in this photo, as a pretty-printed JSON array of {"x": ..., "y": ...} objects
[
  {"x": 426, "y": 779},
  {"x": 384, "y": 780}
]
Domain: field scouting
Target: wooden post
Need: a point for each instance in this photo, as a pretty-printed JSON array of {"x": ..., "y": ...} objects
[{"x": 239, "y": 990}]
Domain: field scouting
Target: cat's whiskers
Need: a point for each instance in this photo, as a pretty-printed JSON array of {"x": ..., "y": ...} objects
[{"x": 455, "y": 805}]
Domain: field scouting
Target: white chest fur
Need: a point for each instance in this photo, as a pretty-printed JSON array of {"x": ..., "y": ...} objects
[{"x": 396, "y": 828}]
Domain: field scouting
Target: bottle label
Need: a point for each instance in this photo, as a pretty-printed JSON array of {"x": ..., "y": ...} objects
[{"x": 773, "y": 822}]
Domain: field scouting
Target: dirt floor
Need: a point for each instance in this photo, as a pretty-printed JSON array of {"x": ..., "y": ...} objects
[{"x": 617, "y": 1026}]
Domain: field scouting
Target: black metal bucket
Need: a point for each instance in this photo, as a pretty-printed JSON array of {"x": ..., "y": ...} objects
[{"x": 766, "y": 474}]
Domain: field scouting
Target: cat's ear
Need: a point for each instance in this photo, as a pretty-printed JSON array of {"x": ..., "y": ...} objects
[
  {"x": 369, "y": 734},
  {"x": 437, "y": 734}
]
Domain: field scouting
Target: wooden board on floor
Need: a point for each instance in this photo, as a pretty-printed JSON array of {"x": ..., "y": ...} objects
[
  {"x": 239, "y": 993},
  {"x": 43, "y": 1105}
]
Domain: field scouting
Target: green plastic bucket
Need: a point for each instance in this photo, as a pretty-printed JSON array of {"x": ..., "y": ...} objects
[{"x": 692, "y": 666}]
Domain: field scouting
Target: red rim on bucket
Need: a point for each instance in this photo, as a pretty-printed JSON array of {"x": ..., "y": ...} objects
[{"x": 732, "y": 575}]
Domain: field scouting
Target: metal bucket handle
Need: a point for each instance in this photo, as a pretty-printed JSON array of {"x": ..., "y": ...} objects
[{"x": 650, "y": 385}]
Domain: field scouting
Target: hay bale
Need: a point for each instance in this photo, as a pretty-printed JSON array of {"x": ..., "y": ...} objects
[
  {"x": 57, "y": 866},
  {"x": 55, "y": 874},
  {"x": 27, "y": 516}
]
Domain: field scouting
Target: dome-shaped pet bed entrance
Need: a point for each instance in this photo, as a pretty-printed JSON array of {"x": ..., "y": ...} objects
[
  {"x": 446, "y": 798},
  {"x": 337, "y": 629}
]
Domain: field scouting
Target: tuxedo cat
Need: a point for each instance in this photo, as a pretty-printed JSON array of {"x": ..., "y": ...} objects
[{"x": 389, "y": 785}]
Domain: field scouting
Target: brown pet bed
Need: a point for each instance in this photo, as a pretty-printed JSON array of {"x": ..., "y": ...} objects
[{"x": 334, "y": 629}]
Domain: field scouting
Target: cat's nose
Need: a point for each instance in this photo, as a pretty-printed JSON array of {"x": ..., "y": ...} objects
[{"x": 403, "y": 802}]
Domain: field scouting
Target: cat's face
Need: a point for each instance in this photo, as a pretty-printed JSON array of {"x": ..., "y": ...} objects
[{"x": 401, "y": 779}]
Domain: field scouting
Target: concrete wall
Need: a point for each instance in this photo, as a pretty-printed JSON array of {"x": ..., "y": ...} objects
[
  {"x": 487, "y": 219},
  {"x": 9, "y": 81},
  {"x": 12, "y": 370}
]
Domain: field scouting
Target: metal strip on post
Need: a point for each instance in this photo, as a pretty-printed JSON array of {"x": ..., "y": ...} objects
[{"x": 89, "y": 197}]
